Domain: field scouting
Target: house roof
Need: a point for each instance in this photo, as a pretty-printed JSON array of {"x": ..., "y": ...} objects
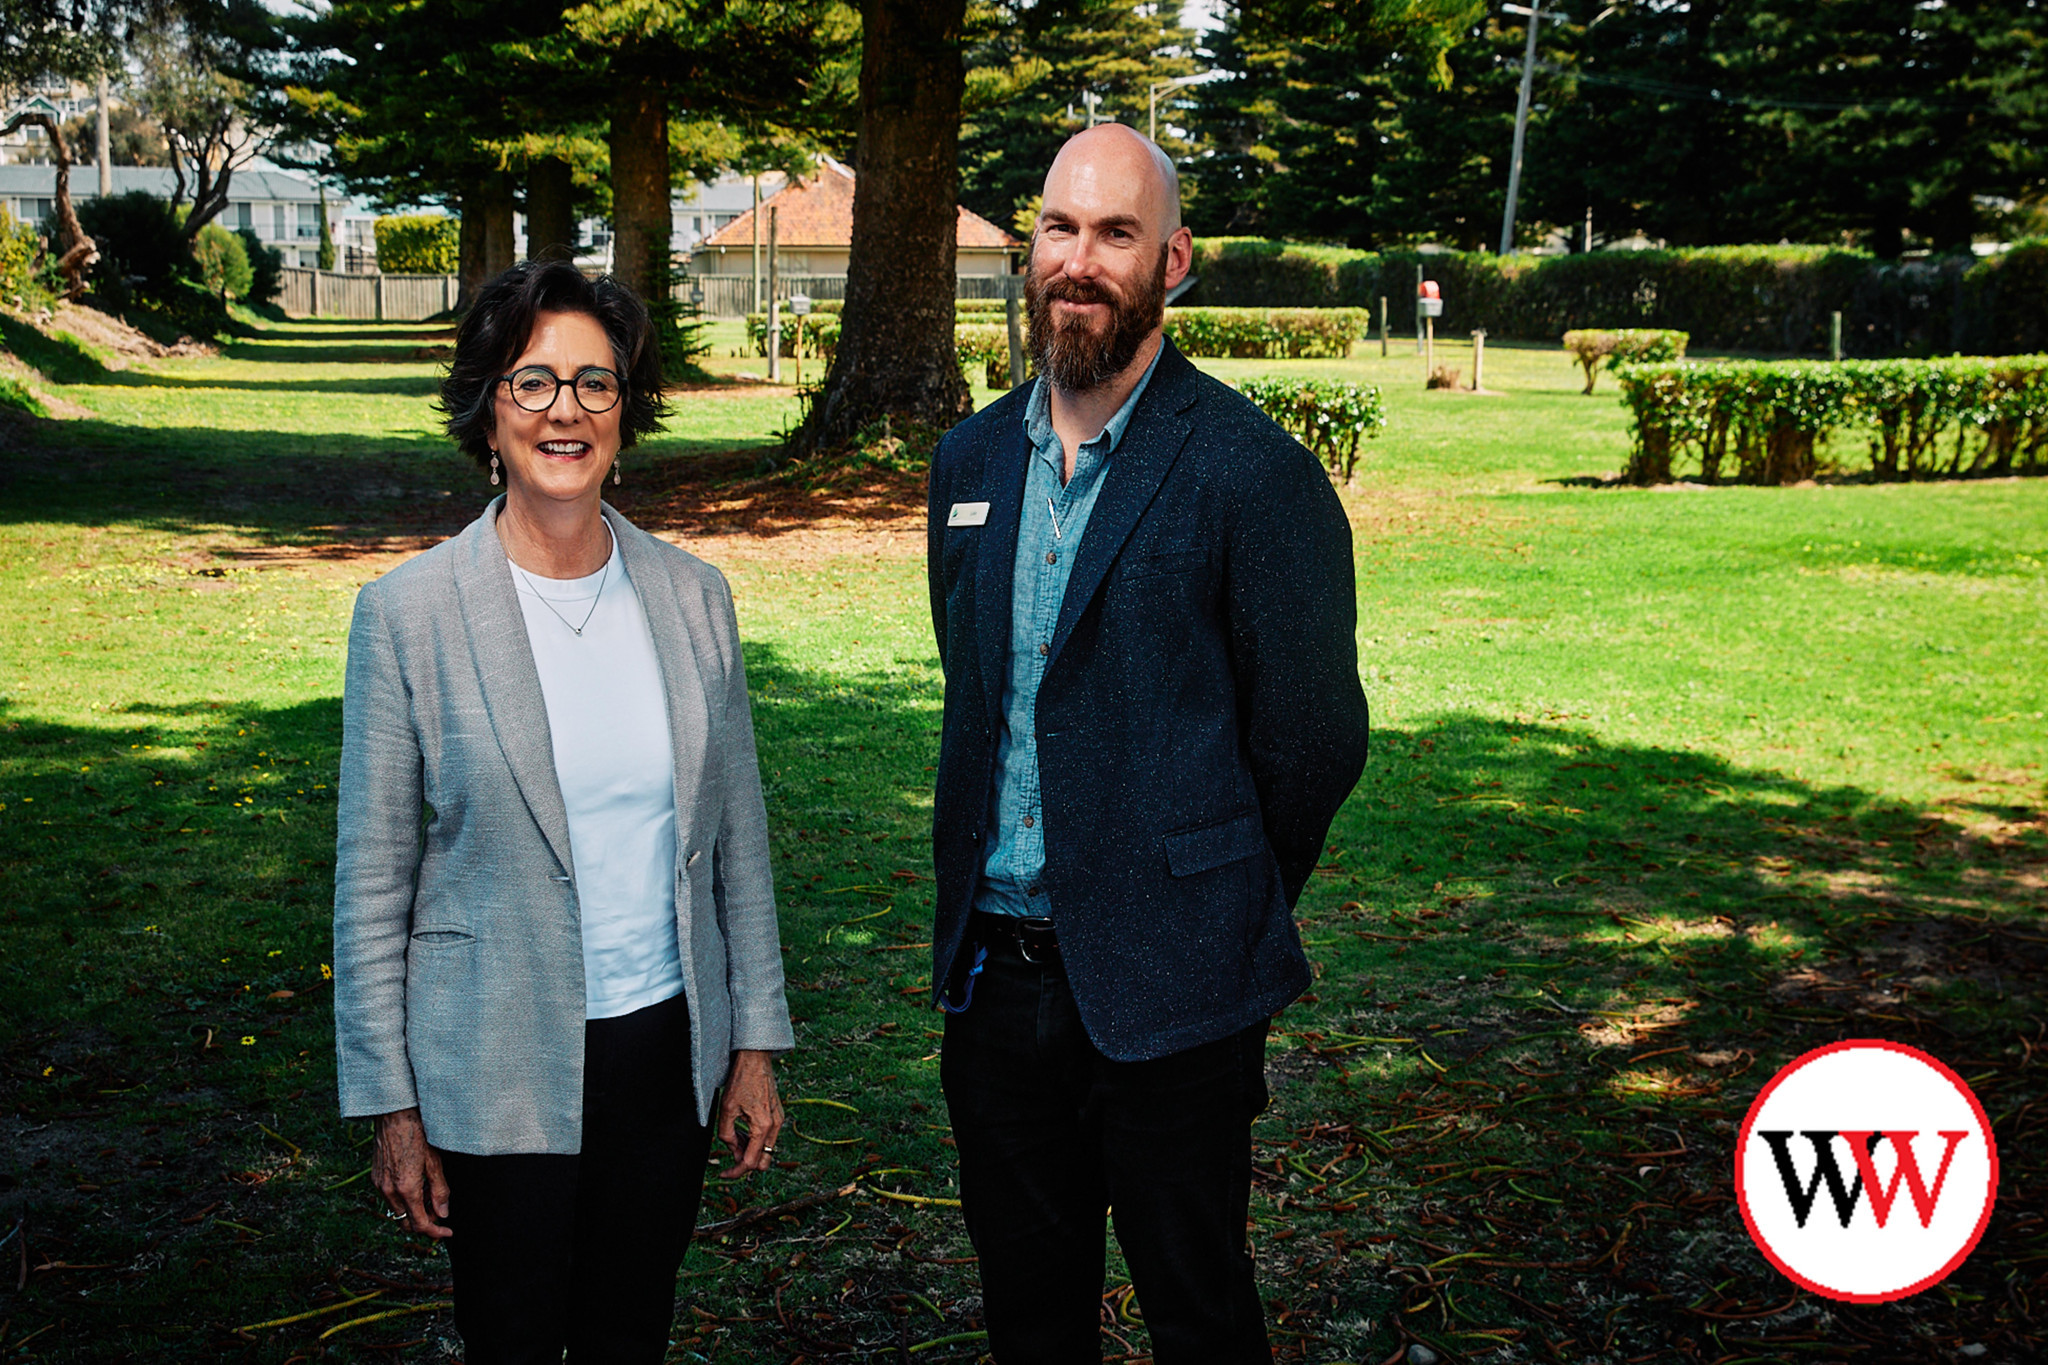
[
  {"x": 40, "y": 181},
  {"x": 818, "y": 212}
]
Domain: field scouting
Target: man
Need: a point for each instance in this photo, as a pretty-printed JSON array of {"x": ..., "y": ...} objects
[{"x": 1143, "y": 595}]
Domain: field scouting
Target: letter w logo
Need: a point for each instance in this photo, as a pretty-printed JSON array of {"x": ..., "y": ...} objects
[{"x": 1862, "y": 1147}]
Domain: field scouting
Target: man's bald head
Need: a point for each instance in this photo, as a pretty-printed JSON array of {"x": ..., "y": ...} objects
[{"x": 1110, "y": 164}]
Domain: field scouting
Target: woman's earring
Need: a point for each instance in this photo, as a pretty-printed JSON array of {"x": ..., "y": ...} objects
[
  {"x": 494, "y": 466},
  {"x": 615, "y": 471}
]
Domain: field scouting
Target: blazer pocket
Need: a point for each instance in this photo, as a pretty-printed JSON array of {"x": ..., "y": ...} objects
[
  {"x": 1213, "y": 846},
  {"x": 1172, "y": 561},
  {"x": 441, "y": 936}
]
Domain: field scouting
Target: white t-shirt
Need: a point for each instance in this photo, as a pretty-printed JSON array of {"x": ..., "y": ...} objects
[{"x": 608, "y": 719}]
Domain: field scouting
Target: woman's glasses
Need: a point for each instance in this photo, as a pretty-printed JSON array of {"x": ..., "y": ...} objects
[{"x": 535, "y": 387}]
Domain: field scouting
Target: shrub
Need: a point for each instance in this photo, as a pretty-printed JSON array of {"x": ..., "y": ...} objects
[
  {"x": 1629, "y": 345},
  {"x": 1764, "y": 298},
  {"x": 223, "y": 262},
  {"x": 1330, "y": 418},
  {"x": 986, "y": 345},
  {"x": 142, "y": 247},
  {"x": 19, "y": 245},
  {"x": 757, "y": 325},
  {"x": 1266, "y": 333},
  {"x": 418, "y": 244},
  {"x": 266, "y": 267},
  {"x": 1951, "y": 418}
]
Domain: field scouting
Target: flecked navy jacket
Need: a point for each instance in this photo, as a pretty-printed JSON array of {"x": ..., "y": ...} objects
[{"x": 1200, "y": 720}]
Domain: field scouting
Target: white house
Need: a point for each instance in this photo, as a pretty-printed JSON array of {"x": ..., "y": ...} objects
[{"x": 281, "y": 209}]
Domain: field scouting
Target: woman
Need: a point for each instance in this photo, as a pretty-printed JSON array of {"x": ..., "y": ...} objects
[{"x": 554, "y": 922}]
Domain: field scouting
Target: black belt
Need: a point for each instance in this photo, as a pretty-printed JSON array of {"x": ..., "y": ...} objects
[{"x": 1032, "y": 936}]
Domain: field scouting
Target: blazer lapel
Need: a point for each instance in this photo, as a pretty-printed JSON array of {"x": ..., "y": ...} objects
[
  {"x": 995, "y": 566},
  {"x": 682, "y": 673},
  {"x": 1152, "y": 441},
  {"x": 511, "y": 684}
]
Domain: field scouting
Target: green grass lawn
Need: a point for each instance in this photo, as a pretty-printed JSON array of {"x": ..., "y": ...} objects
[{"x": 1667, "y": 788}]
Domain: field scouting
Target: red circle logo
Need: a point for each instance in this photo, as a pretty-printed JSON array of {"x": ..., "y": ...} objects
[{"x": 1866, "y": 1171}]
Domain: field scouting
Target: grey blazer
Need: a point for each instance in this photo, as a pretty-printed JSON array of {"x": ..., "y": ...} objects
[{"x": 458, "y": 949}]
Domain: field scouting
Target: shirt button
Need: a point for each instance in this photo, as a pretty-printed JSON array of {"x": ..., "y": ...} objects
[
  {"x": 1052, "y": 556},
  {"x": 1045, "y": 649},
  {"x": 1029, "y": 822}
]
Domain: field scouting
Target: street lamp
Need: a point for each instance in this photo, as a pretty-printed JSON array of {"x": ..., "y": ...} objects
[{"x": 1152, "y": 98}]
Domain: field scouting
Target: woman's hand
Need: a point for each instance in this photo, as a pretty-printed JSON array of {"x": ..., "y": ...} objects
[
  {"x": 407, "y": 1172},
  {"x": 750, "y": 1097}
]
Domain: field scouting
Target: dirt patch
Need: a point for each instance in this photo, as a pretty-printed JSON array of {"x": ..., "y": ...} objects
[{"x": 120, "y": 341}]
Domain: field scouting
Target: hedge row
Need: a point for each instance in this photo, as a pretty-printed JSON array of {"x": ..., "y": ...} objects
[
  {"x": 1762, "y": 421},
  {"x": 821, "y": 309},
  {"x": 418, "y": 244},
  {"x": 1267, "y": 333},
  {"x": 1328, "y": 417},
  {"x": 1627, "y": 346},
  {"x": 1738, "y": 297}
]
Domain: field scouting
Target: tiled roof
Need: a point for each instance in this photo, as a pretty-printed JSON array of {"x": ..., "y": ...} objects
[{"x": 818, "y": 212}]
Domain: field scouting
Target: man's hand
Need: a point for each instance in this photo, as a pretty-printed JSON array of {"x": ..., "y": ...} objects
[
  {"x": 750, "y": 1097},
  {"x": 407, "y": 1172}
]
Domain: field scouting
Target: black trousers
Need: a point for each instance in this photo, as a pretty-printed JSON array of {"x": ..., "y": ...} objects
[
  {"x": 580, "y": 1253},
  {"x": 1052, "y": 1135}
]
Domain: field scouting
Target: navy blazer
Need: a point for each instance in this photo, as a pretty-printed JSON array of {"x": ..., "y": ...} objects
[{"x": 1200, "y": 719}]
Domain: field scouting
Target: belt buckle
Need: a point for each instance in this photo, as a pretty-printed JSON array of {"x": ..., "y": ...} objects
[{"x": 1032, "y": 927}]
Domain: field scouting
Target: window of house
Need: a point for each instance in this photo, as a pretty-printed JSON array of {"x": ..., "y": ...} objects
[
  {"x": 309, "y": 220},
  {"x": 244, "y": 214},
  {"x": 277, "y": 228}
]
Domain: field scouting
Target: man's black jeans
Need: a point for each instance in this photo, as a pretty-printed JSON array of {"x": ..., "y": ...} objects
[
  {"x": 581, "y": 1252},
  {"x": 1052, "y": 1134}
]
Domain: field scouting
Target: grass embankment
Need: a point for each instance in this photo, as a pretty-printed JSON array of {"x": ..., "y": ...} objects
[{"x": 1667, "y": 787}]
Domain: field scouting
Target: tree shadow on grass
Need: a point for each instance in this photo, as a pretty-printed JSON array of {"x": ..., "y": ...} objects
[{"x": 1553, "y": 973}]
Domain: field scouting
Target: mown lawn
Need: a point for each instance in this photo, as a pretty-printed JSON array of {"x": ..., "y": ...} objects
[{"x": 1667, "y": 788}]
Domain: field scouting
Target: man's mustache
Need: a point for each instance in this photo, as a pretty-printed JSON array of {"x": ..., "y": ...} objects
[{"x": 1078, "y": 291}]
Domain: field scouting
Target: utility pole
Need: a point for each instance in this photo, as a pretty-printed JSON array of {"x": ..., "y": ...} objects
[
  {"x": 754, "y": 299},
  {"x": 1534, "y": 11},
  {"x": 102, "y": 141}
]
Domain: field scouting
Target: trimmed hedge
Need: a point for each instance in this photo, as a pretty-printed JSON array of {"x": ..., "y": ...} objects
[
  {"x": 1630, "y": 345},
  {"x": 418, "y": 244},
  {"x": 1328, "y": 417},
  {"x": 1267, "y": 333},
  {"x": 1762, "y": 421},
  {"x": 1762, "y": 298}
]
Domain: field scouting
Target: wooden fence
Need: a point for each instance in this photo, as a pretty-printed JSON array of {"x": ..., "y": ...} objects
[
  {"x": 384, "y": 298},
  {"x": 732, "y": 296}
]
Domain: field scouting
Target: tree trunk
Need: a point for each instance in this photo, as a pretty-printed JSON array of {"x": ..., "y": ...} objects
[
  {"x": 499, "y": 241},
  {"x": 550, "y": 219},
  {"x": 470, "y": 263},
  {"x": 640, "y": 221},
  {"x": 896, "y": 356},
  {"x": 79, "y": 251}
]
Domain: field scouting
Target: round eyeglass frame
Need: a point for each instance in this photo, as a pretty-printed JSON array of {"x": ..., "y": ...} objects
[{"x": 560, "y": 383}]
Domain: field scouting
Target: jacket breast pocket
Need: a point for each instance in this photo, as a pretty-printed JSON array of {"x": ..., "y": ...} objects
[{"x": 1192, "y": 851}]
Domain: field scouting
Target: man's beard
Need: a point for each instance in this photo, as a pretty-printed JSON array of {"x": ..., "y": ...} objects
[{"x": 1071, "y": 351}]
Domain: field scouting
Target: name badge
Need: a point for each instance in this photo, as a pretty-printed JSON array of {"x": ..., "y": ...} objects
[{"x": 968, "y": 514}]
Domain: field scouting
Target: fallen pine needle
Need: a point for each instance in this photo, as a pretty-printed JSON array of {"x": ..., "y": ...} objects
[
  {"x": 835, "y": 1104},
  {"x": 387, "y": 1313},
  {"x": 957, "y": 1339},
  {"x": 316, "y": 1313},
  {"x": 912, "y": 1199}
]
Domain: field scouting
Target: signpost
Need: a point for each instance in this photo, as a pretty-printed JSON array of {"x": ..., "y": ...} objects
[
  {"x": 800, "y": 309},
  {"x": 1429, "y": 305}
]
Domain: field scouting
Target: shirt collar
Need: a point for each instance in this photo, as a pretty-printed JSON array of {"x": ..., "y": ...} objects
[{"x": 1038, "y": 412}]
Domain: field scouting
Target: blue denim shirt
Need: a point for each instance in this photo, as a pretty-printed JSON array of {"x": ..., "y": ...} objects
[{"x": 1049, "y": 530}]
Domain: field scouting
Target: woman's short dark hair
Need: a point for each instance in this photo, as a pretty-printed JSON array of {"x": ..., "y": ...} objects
[{"x": 500, "y": 324}]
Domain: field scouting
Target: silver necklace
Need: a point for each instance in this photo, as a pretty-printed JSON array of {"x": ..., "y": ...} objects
[{"x": 603, "y": 578}]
